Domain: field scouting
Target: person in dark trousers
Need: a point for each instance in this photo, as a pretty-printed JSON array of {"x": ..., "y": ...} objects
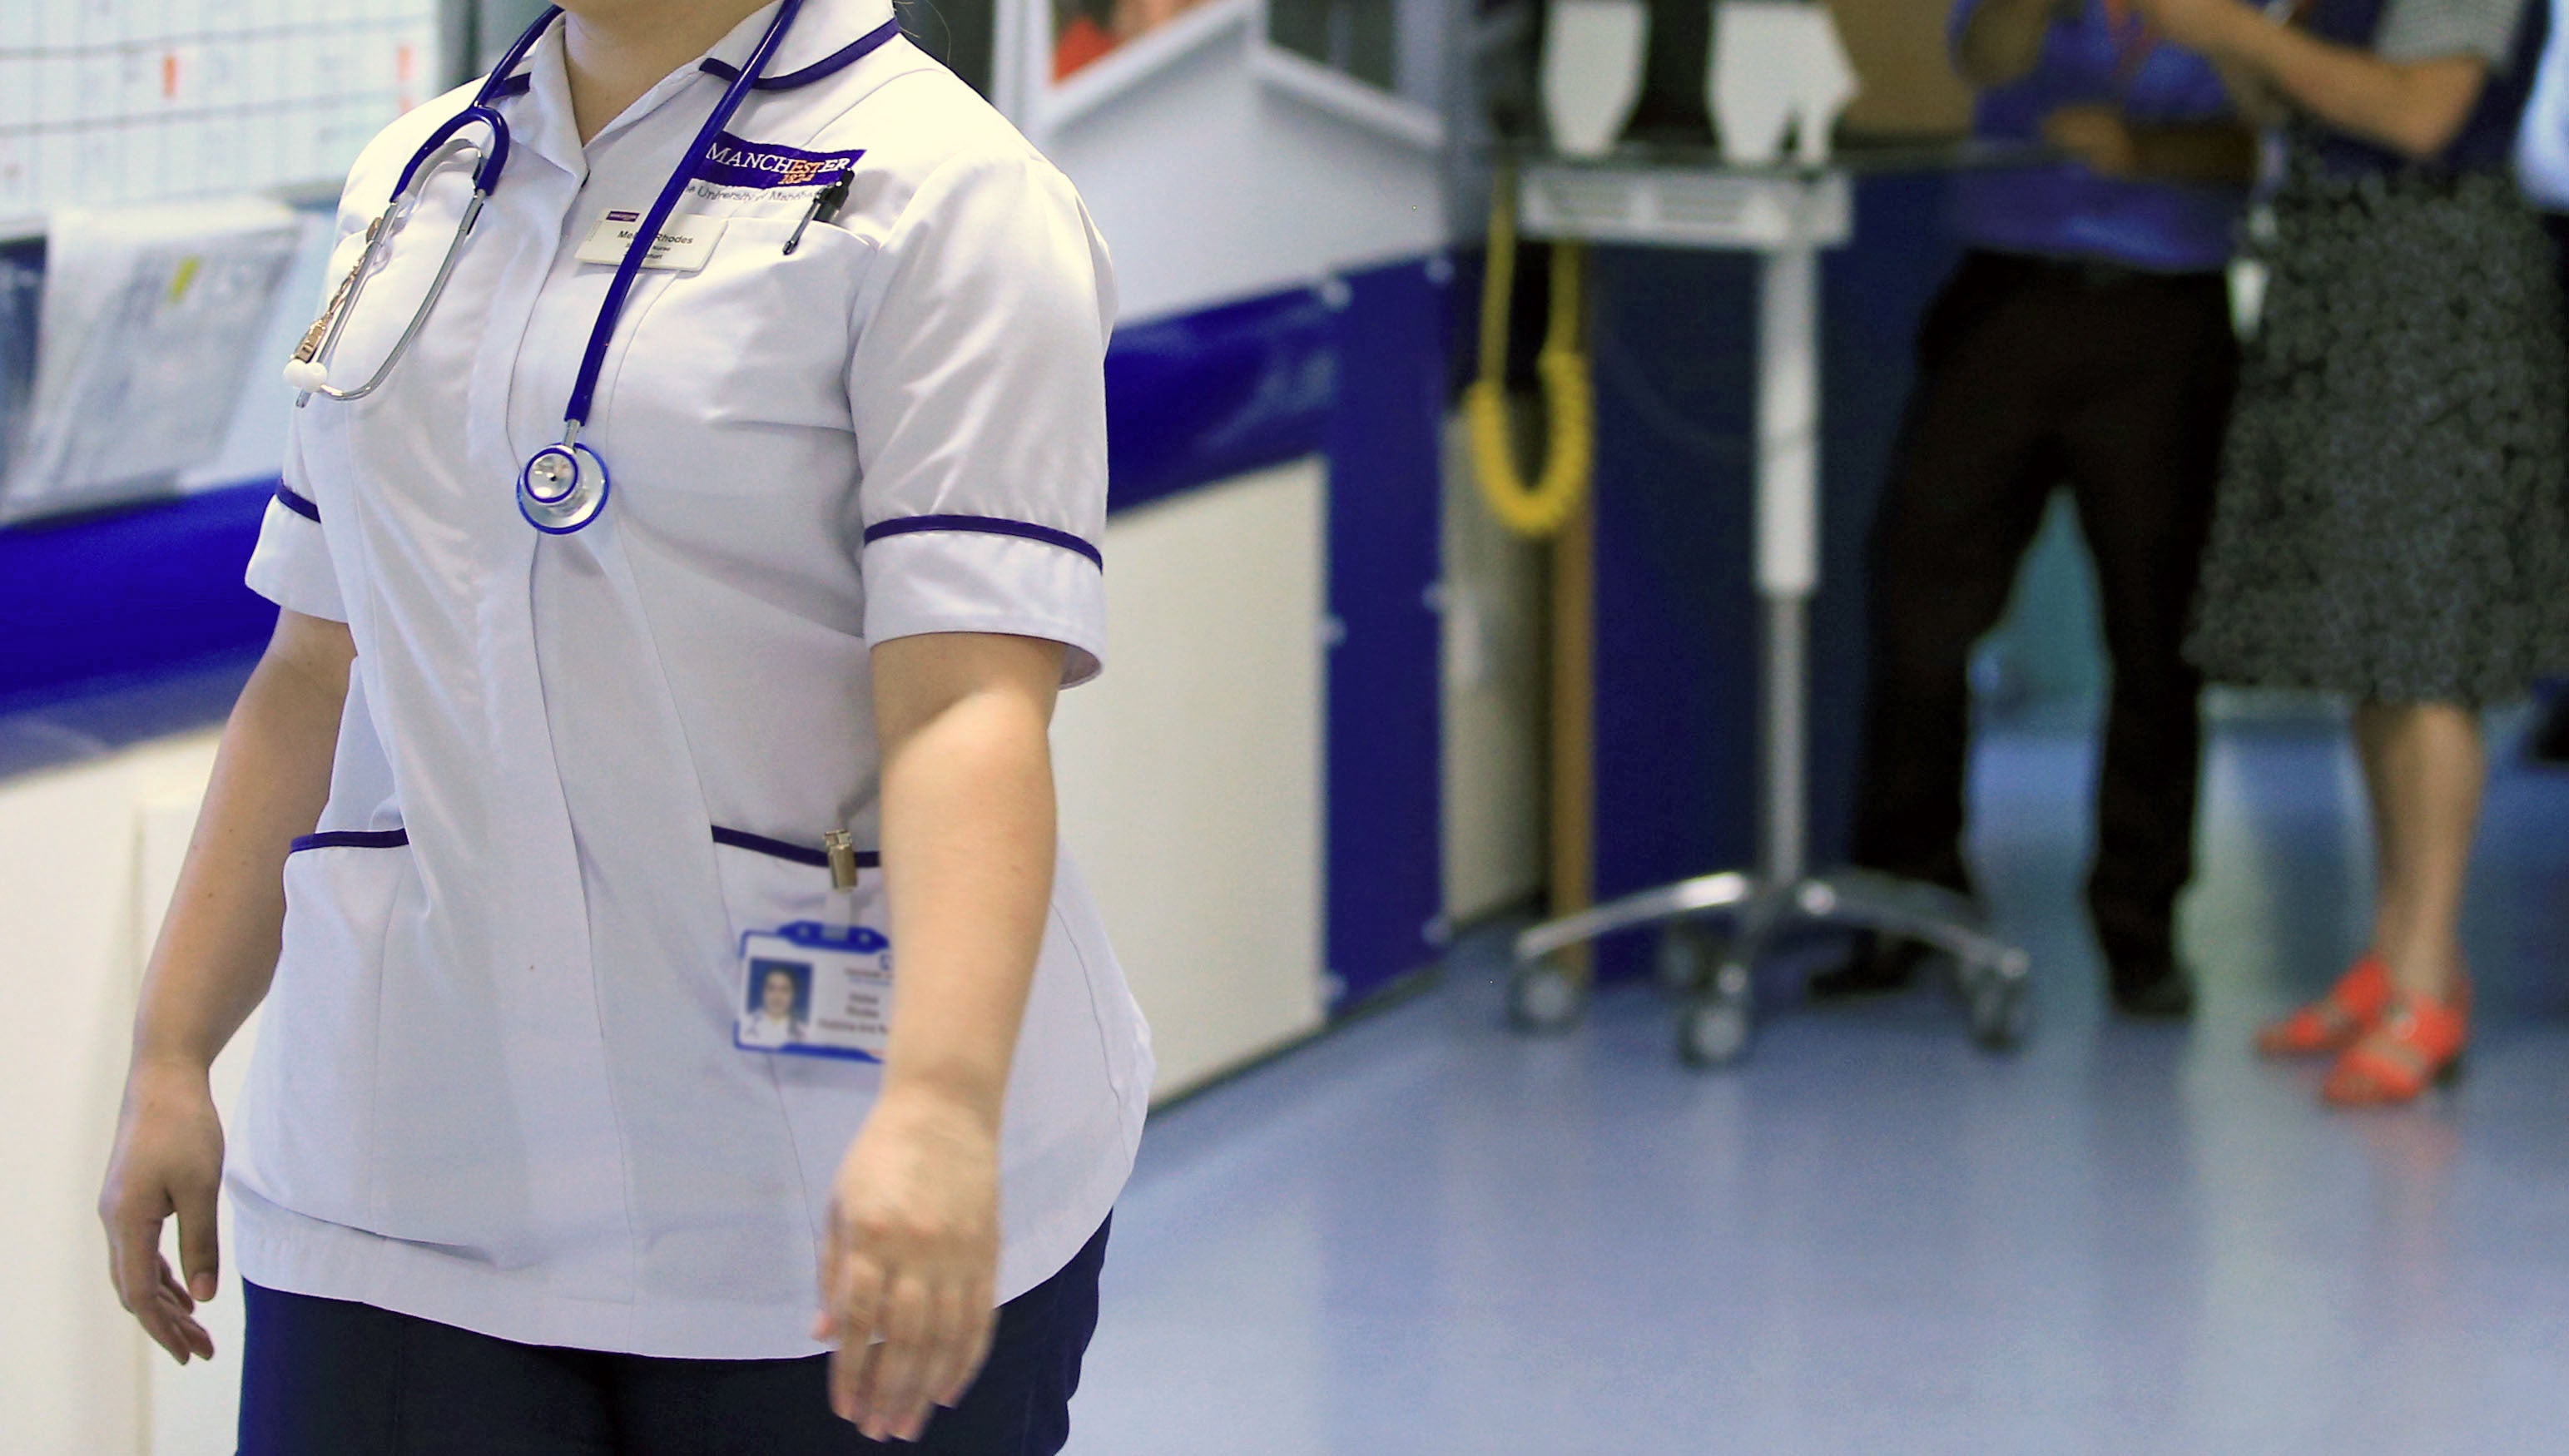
[{"x": 2085, "y": 342}]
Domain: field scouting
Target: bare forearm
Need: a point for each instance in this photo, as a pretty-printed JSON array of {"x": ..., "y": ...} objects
[
  {"x": 218, "y": 944},
  {"x": 2411, "y": 106},
  {"x": 968, "y": 851},
  {"x": 2002, "y": 41}
]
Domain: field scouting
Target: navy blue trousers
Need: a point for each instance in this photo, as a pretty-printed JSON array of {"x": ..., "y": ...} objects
[{"x": 326, "y": 1377}]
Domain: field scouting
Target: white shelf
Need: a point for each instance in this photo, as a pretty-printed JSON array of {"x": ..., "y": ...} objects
[{"x": 1685, "y": 206}]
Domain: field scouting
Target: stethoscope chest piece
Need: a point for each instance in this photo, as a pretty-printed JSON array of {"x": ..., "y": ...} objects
[{"x": 563, "y": 487}]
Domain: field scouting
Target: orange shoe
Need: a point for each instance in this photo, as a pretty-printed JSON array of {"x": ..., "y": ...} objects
[
  {"x": 2334, "y": 1021},
  {"x": 2419, "y": 1042}
]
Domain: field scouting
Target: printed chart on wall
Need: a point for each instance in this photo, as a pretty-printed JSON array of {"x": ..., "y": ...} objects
[{"x": 132, "y": 101}]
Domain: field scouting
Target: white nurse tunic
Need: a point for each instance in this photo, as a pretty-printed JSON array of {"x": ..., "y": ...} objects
[{"x": 496, "y": 1085}]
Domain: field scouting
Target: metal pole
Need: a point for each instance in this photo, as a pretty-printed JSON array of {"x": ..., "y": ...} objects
[{"x": 1788, "y": 538}]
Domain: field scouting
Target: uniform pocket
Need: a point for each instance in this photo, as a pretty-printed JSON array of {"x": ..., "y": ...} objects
[{"x": 308, "y": 1116}]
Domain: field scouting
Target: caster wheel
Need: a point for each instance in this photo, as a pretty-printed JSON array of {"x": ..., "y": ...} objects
[
  {"x": 1713, "y": 1031},
  {"x": 1686, "y": 956},
  {"x": 1545, "y": 997},
  {"x": 2001, "y": 1012}
]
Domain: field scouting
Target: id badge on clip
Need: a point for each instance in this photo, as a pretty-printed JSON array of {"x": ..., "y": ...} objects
[{"x": 809, "y": 990}]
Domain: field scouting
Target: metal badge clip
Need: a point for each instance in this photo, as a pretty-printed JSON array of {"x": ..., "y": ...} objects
[{"x": 843, "y": 858}]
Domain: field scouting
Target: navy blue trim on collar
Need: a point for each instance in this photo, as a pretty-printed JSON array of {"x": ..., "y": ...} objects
[
  {"x": 518, "y": 85},
  {"x": 829, "y": 65},
  {"x": 986, "y": 525},
  {"x": 759, "y": 844},
  {"x": 351, "y": 839},
  {"x": 299, "y": 504}
]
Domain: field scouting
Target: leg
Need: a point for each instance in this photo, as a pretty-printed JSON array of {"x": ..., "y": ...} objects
[
  {"x": 1976, "y": 462},
  {"x": 2144, "y": 451},
  {"x": 1018, "y": 1406},
  {"x": 2426, "y": 770},
  {"x": 325, "y": 1378}
]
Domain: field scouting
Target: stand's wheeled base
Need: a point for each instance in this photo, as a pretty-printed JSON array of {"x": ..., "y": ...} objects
[{"x": 1714, "y": 929}]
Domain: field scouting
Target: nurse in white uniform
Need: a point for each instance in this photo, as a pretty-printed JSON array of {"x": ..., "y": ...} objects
[{"x": 678, "y": 601}]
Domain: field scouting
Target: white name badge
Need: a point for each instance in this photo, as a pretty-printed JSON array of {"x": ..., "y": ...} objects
[
  {"x": 686, "y": 241},
  {"x": 809, "y": 990}
]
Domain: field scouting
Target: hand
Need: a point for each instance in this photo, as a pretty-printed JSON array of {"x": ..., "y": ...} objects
[
  {"x": 2197, "y": 25},
  {"x": 913, "y": 1257},
  {"x": 168, "y": 1159},
  {"x": 2096, "y": 136}
]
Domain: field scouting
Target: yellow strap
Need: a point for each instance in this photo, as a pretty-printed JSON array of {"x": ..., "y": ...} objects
[{"x": 1568, "y": 394}]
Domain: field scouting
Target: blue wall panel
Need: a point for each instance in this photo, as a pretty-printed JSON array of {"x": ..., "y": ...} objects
[
  {"x": 1677, "y": 617},
  {"x": 1385, "y": 877}
]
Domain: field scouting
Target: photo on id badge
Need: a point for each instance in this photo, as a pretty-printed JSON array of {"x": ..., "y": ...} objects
[{"x": 809, "y": 990}]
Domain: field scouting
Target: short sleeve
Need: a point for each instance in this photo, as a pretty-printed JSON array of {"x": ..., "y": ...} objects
[
  {"x": 2427, "y": 29},
  {"x": 291, "y": 566},
  {"x": 978, "y": 385}
]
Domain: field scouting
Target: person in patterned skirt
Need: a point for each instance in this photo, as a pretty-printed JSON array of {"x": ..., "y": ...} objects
[{"x": 2393, "y": 518}]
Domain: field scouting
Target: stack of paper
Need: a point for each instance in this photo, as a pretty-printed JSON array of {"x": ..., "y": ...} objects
[{"x": 149, "y": 321}]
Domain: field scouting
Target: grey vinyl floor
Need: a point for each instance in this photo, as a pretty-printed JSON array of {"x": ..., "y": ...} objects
[{"x": 1425, "y": 1235}]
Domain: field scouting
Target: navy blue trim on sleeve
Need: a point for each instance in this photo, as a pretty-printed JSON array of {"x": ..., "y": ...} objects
[
  {"x": 300, "y": 504},
  {"x": 986, "y": 525},
  {"x": 829, "y": 65},
  {"x": 759, "y": 844},
  {"x": 351, "y": 839}
]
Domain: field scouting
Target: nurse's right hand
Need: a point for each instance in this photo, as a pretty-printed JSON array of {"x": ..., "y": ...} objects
[{"x": 168, "y": 1160}]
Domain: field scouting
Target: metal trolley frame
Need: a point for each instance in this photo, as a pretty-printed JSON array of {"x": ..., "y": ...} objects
[{"x": 1785, "y": 217}]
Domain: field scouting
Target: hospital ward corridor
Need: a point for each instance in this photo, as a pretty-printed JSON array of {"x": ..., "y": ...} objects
[{"x": 1285, "y": 727}]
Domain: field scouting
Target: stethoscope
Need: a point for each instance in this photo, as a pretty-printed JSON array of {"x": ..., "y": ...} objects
[{"x": 563, "y": 486}]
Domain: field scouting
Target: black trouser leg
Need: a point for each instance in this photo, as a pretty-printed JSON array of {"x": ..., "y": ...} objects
[
  {"x": 1977, "y": 459},
  {"x": 2144, "y": 451}
]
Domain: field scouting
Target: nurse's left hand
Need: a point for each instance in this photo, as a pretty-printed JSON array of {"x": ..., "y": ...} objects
[{"x": 911, "y": 1268}]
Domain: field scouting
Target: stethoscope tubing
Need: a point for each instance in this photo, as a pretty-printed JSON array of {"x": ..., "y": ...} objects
[
  {"x": 424, "y": 163},
  {"x": 571, "y": 487}
]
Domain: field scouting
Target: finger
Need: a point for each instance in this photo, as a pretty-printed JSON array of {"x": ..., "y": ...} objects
[
  {"x": 170, "y": 1287},
  {"x": 895, "y": 1398},
  {"x": 951, "y": 1369},
  {"x": 199, "y": 1244},
  {"x": 184, "y": 1327},
  {"x": 856, "y": 1295},
  {"x": 982, "y": 1330},
  {"x": 133, "y": 1251},
  {"x": 162, "y": 1320}
]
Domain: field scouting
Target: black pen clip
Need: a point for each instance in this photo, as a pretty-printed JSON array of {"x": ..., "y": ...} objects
[{"x": 825, "y": 207}]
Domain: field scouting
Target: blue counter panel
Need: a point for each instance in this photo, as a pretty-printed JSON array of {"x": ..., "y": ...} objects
[
  {"x": 1677, "y": 617},
  {"x": 1208, "y": 396},
  {"x": 101, "y": 602}
]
